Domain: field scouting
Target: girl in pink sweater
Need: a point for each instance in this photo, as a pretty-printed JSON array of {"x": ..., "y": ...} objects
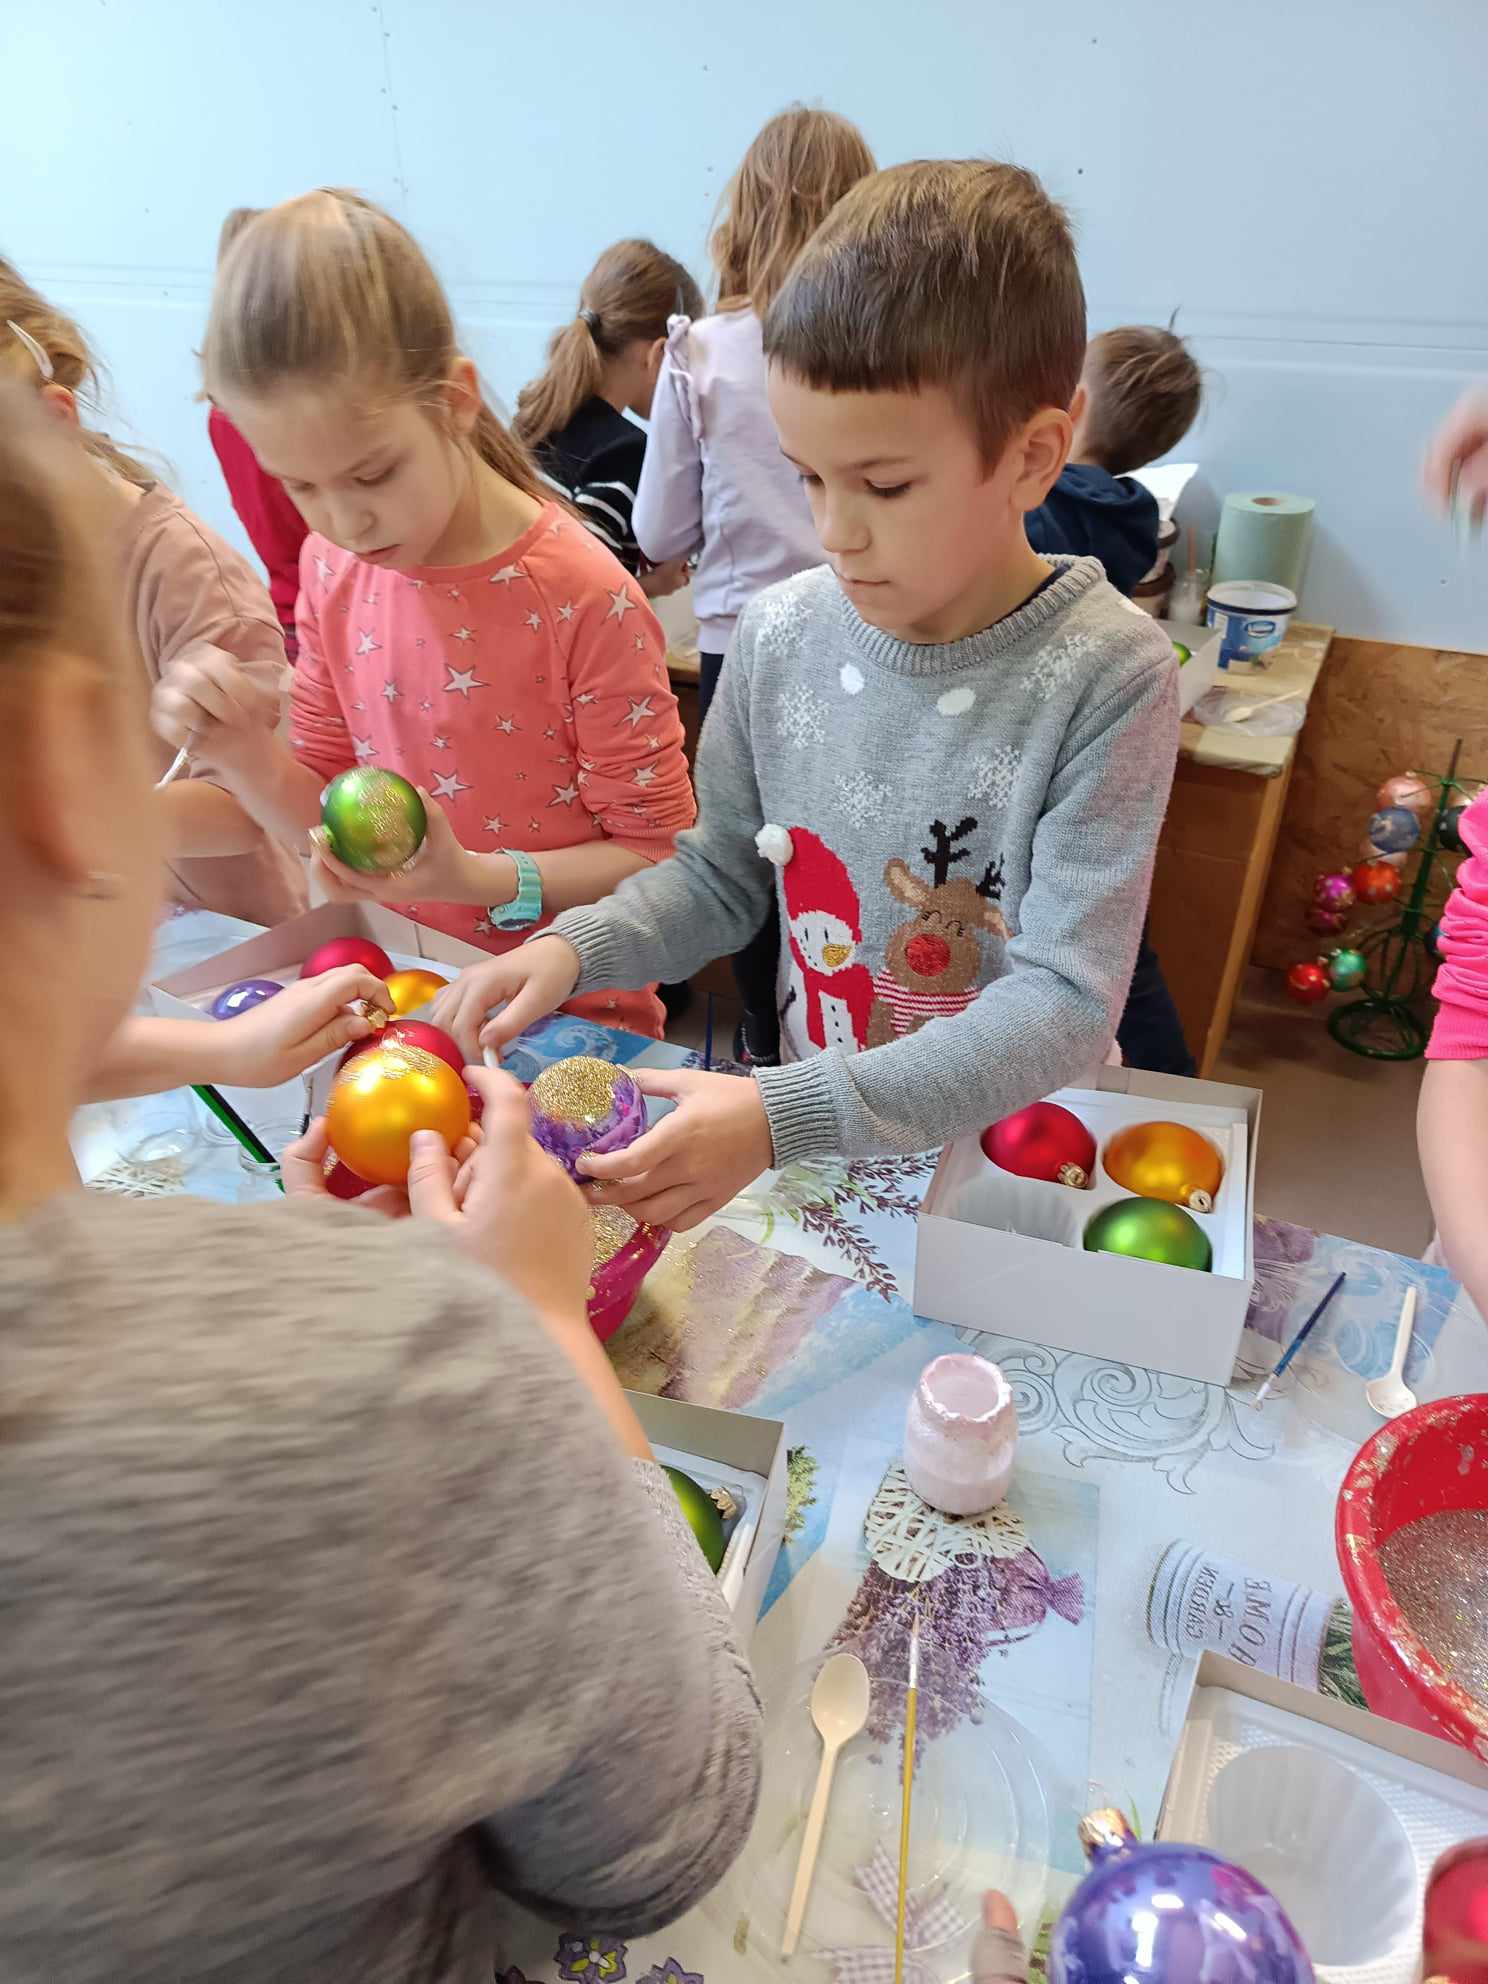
[
  {"x": 455, "y": 625},
  {"x": 1453, "y": 1121}
]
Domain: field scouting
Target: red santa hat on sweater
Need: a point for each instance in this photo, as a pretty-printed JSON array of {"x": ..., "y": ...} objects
[{"x": 815, "y": 878}]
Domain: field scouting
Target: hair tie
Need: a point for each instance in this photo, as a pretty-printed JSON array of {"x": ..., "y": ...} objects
[
  {"x": 589, "y": 317},
  {"x": 43, "y": 363}
]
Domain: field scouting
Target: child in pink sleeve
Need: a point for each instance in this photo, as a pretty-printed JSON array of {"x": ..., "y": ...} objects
[
  {"x": 455, "y": 624},
  {"x": 1453, "y": 1121},
  {"x": 526, "y": 695}
]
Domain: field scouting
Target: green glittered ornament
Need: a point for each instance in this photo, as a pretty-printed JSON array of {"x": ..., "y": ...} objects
[
  {"x": 1150, "y": 1230},
  {"x": 702, "y": 1513},
  {"x": 374, "y": 820},
  {"x": 1346, "y": 969}
]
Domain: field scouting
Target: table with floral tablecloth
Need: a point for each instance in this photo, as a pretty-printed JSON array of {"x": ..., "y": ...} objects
[{"x": 795, "y": 1303}]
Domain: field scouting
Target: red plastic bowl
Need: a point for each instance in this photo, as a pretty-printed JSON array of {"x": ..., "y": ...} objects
[
  {"x": 617, "y": 1284},
  {"x": 1425, "y": 1463}
]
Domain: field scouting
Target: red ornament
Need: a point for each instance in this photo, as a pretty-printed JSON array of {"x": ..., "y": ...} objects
[
  {"x": 1307, "y": 983},
  {"x": 1376, "y": 881},
  {"x": 1044, "y": 1141},
  {"x": 1326, "y": 922},
  {"x": 341, "y": 1182},
  {"x": 413, "y": 1033},
  {"x": 347, "y": 950}
]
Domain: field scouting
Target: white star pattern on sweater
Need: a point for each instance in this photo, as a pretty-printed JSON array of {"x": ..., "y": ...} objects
[
  {"x": 448, "y": 785},
  {"x": 483, "y": 926},
  {"x": 463, "y": 634},
  {"x": 365, "y": 749},
  {"x": 566, "y": 610},
  {"x": 426, "y": 706},
  {"x": 505, "y": 576},
  {"x": 507, "y": 724},
  {"x": 551, "y": 732},
  {"x": 324, "y": 570},
  {"x": 441, "y": 743},
  {"x": 803, "y": 716},
  {"x": 645, "y": 775},
  {"x": 586, "y": 699},
  {"x": 367, "y": 644},
  {"x": 534, "y": 621},
  {"x": 621, "y": 603},
  {"x": 564, "y": 795},
  {"x": 534, "y": 826},
  {"x": 638, "y": 711},
  {"x": 462, "y": 681},
  {"x": 640, "y": 643},
  {"x": 1056, "y": 666},
  {"x": 390, "y": 691},
  {"x": 992, "y": 778},
  {"x": 493, "y": 825},
  {"x": 782, "y": 619}
]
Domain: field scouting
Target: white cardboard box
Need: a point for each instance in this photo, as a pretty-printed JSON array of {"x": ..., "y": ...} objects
[
  {"x": 717, "y": 1447},
  {"x": 1433, "y": 1792},
  {"x": 1005, "y": 1254},
  {"x": 1201, "y": 671}
]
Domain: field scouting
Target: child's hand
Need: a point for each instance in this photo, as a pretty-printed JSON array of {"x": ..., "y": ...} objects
[
  {"x": 997, "y": 1955},
  {"x": 666, "y": 578},
  {"x": 299, "y": 1026},
  {"x": 528, "y": 983},
  {"x": 441, "y": 871},
  {"x": 714, "y": 1143},
  {"x": 1456, "y": 468},
  {"x": 209, "y": 703},
  {"x": 520, "y": 1215},
  {"x": 303, "y": 1170}
]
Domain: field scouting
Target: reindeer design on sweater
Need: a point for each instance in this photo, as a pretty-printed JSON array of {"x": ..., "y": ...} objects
[{"x": 933, "y": 965}]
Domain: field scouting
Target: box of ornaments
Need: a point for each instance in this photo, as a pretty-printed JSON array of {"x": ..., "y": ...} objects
[{"x": 1113, "y": 1220}]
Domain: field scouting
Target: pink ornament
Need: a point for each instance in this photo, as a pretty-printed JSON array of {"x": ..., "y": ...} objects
[
  {"x": 1326, "y": 922},
  {"x": 1407, "y": 789},
  {"x": 960, "y": 1435},
  {"x": 1334, "y": 891}
]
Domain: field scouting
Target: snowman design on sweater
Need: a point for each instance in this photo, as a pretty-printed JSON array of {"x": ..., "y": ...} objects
[{"x": 933, "y": 963}]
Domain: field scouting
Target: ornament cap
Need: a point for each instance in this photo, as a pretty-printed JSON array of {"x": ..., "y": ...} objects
[
  {"x": 1200, "y": 1202},
  {"x": 1075, "y": 1176},
  {"x": 1105, "y": 1831}
]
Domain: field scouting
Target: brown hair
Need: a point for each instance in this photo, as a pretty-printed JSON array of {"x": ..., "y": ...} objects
[
  {"x": 789, "y": 180},
  {"x": 69, "y": 356},
  {"x": 954, "y": 273},
  {"x": 1145, "y": 389},
  {"x": 329, "y": 290},
  {"x": 233, "y": 226},
  {"x": 629, "y": 294}
]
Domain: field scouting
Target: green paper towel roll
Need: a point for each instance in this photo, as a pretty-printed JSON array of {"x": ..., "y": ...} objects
[{"x": 1264, "y": 536}]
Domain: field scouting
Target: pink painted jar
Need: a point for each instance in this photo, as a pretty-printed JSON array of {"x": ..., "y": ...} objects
[{"x": 961, "y": 1435}]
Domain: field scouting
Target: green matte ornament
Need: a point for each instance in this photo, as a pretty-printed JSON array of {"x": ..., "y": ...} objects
[
  {"x": 1150, "y": 1230},
  {"x": 374, "y": 820},
  {"x": 702, "y": 1514},
  {"x": 1346, "y": 969}
]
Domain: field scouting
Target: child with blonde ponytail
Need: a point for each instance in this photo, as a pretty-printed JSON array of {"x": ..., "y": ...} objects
[
  {"x": 601, "y": 364},
  {"x": 455, "y": 623}
]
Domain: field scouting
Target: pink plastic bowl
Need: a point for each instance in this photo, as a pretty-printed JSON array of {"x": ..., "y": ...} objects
[{"x": 1424, "y": 1463}]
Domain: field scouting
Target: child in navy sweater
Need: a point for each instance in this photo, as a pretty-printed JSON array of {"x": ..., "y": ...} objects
[{"x": 1139, "y": 395}]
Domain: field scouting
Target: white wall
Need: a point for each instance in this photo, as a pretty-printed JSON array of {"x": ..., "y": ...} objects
[{"x": 1306, "y": 181}]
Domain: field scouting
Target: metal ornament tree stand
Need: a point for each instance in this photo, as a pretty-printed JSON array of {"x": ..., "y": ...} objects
[{"x": 1383, "y": 1023}]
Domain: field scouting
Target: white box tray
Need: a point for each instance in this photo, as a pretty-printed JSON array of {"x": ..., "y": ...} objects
[{"x": 1005, "y": 1254}]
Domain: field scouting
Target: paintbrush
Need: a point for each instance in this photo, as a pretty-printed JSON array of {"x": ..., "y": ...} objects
[
  {"x": 1298, "y": 1340},
  {"x": 911, "y": 1698}
]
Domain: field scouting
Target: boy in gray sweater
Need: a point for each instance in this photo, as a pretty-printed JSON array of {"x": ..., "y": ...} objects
[{"x": 948, "y": 756}]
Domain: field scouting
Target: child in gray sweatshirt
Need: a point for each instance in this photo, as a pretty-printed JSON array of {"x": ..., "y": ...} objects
[{"x": 947, "y": 756}]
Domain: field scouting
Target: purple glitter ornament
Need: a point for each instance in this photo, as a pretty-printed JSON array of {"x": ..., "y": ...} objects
[
  {"x": 1169, "y": 1912},
  {"x": 243, "y": 997},
  {"x": 584, "y": 1105},
  {"x": 1334, "y": 891}
]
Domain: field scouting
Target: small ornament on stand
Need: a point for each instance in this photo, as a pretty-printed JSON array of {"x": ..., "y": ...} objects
[
  {"x": 1046, "y": 1141},
  {"x": 585, "y": 1105},
  {"x": 1417, "y": 820},
  {"x": 1189, "y": 1913}
]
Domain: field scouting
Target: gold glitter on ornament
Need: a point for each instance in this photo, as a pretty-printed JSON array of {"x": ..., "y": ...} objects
[
  {"x": 579, "y": 1090},
  {"x": 613, "y": 1229},
  {"x": 390, "y": 1062},
  {"x": 1437, "y": 1571}
]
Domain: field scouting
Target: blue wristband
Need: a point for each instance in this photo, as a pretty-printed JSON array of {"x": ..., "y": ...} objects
[{"x": 526, "y": 906}]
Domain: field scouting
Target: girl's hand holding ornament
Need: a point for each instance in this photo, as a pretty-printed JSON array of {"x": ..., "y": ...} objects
[
  {"x": 299, "y": 1026},
  {"x": 441, "y": 870},
  {"x": 527, "y": 984}
]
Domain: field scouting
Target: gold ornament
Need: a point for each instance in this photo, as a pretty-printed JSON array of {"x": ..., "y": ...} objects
[
  {"x": 411, "y": 989},
  {"x": 380, "y": 1097},
  {"x": 1166, "y": 1161}
]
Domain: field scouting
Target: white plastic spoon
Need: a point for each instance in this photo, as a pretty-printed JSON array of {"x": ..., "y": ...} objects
[
  {"x": 1390, "y": 1395},
  {"x": 839, "y": 1708}
]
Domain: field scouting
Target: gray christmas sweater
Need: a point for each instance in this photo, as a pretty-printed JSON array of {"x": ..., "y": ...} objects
[{"x": 960, "y": 839}]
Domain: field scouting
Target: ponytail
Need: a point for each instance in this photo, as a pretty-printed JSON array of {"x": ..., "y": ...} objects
[
  {"x": 629, "y": 296},
  {"x": 573, "y": 374}
]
